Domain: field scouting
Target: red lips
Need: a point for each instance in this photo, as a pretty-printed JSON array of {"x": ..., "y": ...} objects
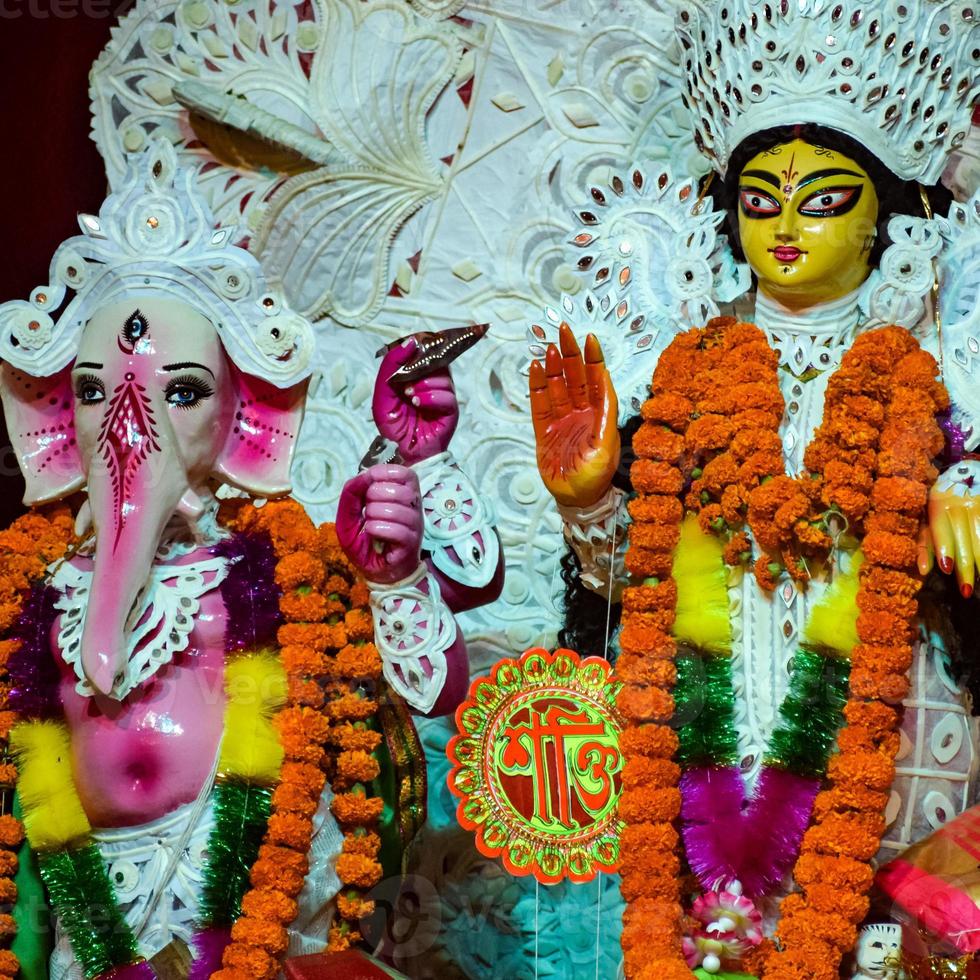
[{"x": 786, "y": 253}]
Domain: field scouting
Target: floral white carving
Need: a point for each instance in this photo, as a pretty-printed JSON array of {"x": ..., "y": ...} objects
[{"x": 159, "y": 625}]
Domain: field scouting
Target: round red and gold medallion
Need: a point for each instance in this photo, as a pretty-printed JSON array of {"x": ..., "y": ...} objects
[{"x": 537, "y": 765}]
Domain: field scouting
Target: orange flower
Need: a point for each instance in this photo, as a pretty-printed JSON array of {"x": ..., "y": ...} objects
[
  {"x": 358, "y": 662},
  {"x": 646, "y": 563},
  {"x": 357, "y": 870},
  {"x": 342, "y": 937},
  {"x": 658, "y": 538},
  {"x": 287, "y": 798},
  {"x": 290, "y": 830},
  {"x": 645, "y": 598},
  {"x": 653, "y": 441},
  {"x": 644, "y": 771},
  {"x": 363, "y": 842},
  {"x": 9, "y": 964},
  {"x": 656, "y": 509},
  {"x": 350, "y": 808},
  {"x": 638, "y": 638},
  {"x": 670, "y": 409},
  {"x": 253, "y": 962},
  {"x": 879, "y": 718},
  {"x": 656, "y": 478},
  {"x": 640, "y": 670},
  {"x": 302, "y": 660},
  {"x": 11, "y": 831},
  {"x": 356, "y": 766},
  {"x": 352, "y": 907},
  {"x": 271, "y": 874},
  {"x": 359, "y": 625},
  {"x": 646, "y": 704},
  {"x": 270, "y": 905},
  {"x": 270, "y": 936},
  {"x": 300, "y": 606},
  {"x": 655, "y": 741},
  {"x": 352, "y": 707},
  {"x": 297, "y": 569}
]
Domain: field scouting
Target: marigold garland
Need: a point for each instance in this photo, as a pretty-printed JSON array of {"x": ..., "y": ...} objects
[
  {"x": 27, "y": 547},
  {"x": 871, "y": 462},
  {"x": 324, "y": 609}
]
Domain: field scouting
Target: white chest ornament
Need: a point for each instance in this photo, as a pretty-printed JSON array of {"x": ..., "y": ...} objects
[{"x": 160, "y": 622}]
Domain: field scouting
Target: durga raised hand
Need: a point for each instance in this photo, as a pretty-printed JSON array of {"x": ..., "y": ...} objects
[
  {"x": 574, "y": 411},
  {"x": 573, "y": 407}
]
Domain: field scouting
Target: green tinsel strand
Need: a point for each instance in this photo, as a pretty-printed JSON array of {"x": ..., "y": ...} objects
[
  {"x": 811, "y": 714},
  {"x": 704, "y": 702},
  {"x": 241, "y": 817},
  {"x": 85, "y": 903}
]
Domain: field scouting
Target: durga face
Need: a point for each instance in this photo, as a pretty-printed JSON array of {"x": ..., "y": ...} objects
[{"x": 806, "y": 218}]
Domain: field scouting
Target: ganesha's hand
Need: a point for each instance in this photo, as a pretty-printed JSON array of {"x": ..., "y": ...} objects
[
  {"x": 954, "y": 524},
  {"x": 379, "y": 523},
  {"x": 421, "y": 416},
  {"x": 574, "y": 407}
]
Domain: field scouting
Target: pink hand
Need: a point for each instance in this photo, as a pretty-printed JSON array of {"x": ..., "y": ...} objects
[
  {"x": 379, "y": 522},
  {"x": 420, "y": 416}
]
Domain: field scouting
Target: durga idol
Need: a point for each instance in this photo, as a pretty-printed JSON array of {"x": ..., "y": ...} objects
[{"x": 793, "y": 717}]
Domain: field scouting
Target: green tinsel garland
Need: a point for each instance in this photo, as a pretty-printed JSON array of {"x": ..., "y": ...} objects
[
  {"x": 704, "y": 698},
  {"x": 241, "y": 818},
  {"x": 85, "y": 903},
  {"x": 810, "y": 715}
]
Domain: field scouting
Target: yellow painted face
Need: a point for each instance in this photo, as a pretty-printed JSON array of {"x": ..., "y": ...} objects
[{"x": 807, "y": 222}]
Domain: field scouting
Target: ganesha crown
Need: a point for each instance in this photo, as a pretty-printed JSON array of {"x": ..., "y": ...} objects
[
  {"x": 156, "y": 235},
  {"x": 899, "y": 77}
]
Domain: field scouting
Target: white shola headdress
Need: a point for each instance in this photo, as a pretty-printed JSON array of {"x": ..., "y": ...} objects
[
  {"x": 156, "y": 234},
  {"x": 899, "y": 76}
]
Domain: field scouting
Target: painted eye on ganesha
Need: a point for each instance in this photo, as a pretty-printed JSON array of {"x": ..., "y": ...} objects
[
  {"x": 186, "y": 651},
  {"x": 753, "y": 504}
]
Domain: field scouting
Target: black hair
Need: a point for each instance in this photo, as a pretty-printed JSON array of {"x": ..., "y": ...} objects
[
  {"x": 944, "y": 608},
  {"x": 586, "y": 612},
  {"x": 895, "y": 196}
]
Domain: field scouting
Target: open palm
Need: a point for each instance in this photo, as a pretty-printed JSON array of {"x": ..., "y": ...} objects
[{"x": 574, "y": 407}]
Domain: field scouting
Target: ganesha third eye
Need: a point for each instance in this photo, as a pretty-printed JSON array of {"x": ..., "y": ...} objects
[{"x": 500, "y": 499}]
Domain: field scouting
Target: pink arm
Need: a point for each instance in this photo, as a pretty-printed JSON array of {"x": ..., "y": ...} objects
[
  {"x": 460, "y": 597},
  {"x": 379, "y": 524}
]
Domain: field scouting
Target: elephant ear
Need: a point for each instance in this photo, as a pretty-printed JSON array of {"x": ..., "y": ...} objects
[
  {"x": 40, "y": 418},
  {"x": 259, "y": 449}
]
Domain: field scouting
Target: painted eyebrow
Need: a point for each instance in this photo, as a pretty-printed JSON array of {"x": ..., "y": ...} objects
[
  {"x": 833, "y": 172},
  {"x": 763, "y": 175},
  {"x": 183, "y": 365},
  {"x": 88, "y": 364}
]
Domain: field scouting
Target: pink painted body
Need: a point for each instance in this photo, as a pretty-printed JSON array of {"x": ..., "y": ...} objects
[
  {"x": 149, "y": 413},
  {"x": 139, "y": 759}
]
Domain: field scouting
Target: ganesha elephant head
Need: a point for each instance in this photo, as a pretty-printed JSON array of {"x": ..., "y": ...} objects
[{"x": 160, "y": 378}]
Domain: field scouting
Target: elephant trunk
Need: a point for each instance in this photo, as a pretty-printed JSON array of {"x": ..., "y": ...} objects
[{"x": 135, "y": 486}]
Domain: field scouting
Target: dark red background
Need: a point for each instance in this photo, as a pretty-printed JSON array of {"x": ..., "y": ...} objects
[{"x": 50, "y": 168}]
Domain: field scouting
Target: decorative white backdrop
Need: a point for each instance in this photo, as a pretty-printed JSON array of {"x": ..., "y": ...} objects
[{"x": 459, "y": 148}]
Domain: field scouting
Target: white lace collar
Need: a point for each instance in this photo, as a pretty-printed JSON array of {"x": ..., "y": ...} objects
[
  {"x": 811, "y": 338},
  {"x": 158, "y": 627},
  {"x": 165, "y": 610}
]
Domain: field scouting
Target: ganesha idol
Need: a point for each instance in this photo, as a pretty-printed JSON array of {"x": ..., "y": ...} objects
[
  {"x": 203, "y": 694},
  {"x": 791, "y": 676}
]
